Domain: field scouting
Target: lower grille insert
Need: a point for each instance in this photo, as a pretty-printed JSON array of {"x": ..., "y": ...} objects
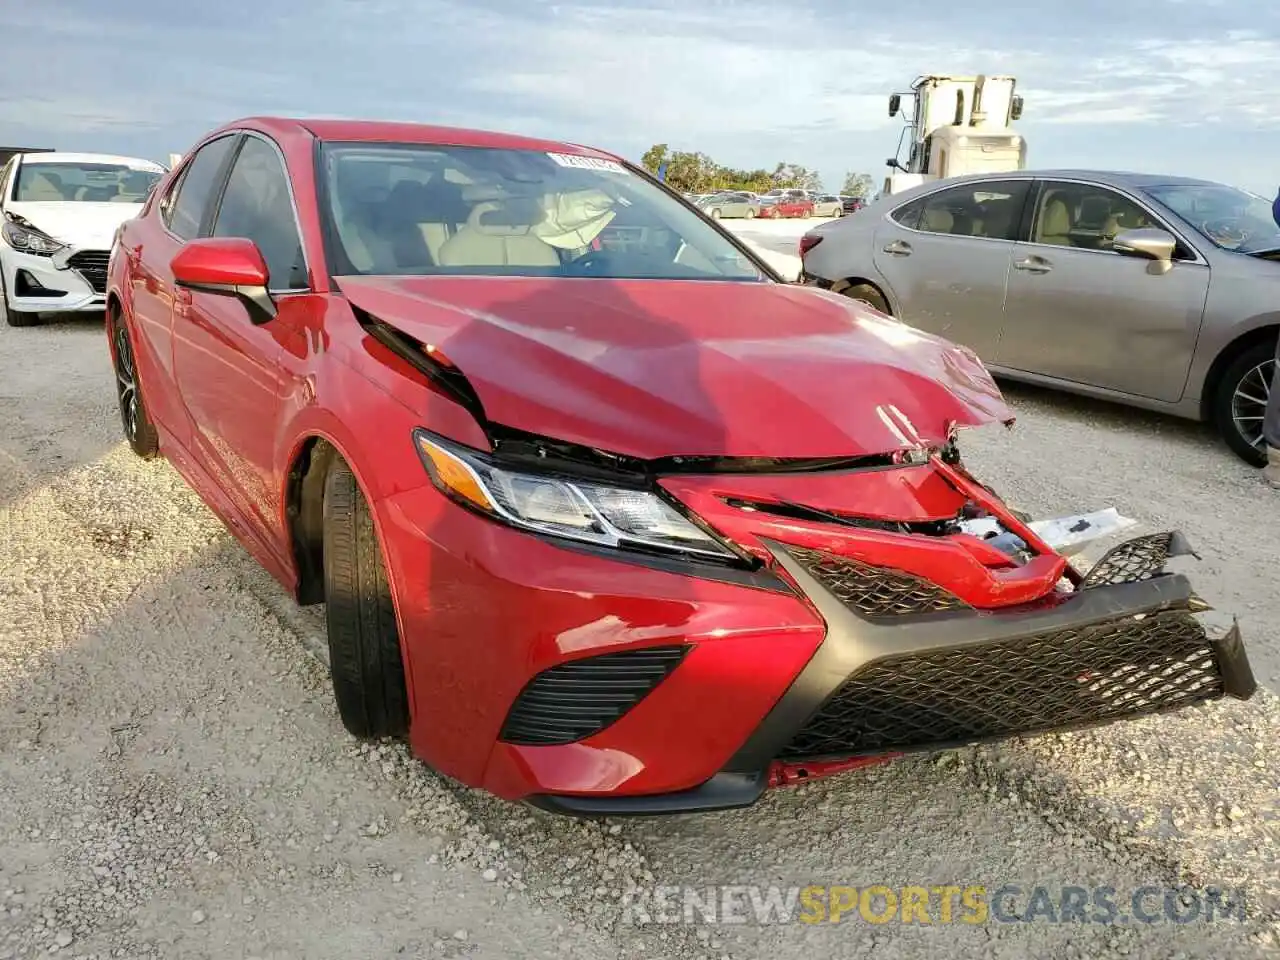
[
  {"x": 1069, "y": 678},
  {"x": 574, "y": 700},
  {"x": 875, "y": 591},
  {"x": 1141, "y": 558}
]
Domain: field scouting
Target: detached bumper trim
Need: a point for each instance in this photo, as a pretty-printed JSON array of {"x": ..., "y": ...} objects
[
  {"x": 854, "y": 643},
  {"x": 724, "y": 791},
  {"x": 1238, "y": 680}
]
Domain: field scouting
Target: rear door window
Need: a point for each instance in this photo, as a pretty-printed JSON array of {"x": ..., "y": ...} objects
[{"x": 991, "y": 209}]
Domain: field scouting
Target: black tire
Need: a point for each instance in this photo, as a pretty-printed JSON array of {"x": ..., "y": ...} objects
[
  {"x": 16, "y": 318},
  {"x": 1244, "y": 372},
  {"x": 865, "y": 291},
  {"x": 364, "y": 642},
  {"x": 137, "y": 426}
]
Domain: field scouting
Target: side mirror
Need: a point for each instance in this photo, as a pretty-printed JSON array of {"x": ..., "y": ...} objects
[
  {"x": 895, "y": 101},
  {"x": 1149, "y": 242},
  {"x": 1015, "y": 109},
  {"x": 231, "y": 266}
]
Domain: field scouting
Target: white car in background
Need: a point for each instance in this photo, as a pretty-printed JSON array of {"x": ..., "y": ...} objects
[{"x": 60, "y": 213}]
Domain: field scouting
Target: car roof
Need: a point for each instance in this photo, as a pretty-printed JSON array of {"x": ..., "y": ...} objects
[
  {"x": 1123, "y": 177},
  {"x": 1118, "y": 177},
  {"x": 385, "y": 131},
  {"x": 60, "y": 157}
]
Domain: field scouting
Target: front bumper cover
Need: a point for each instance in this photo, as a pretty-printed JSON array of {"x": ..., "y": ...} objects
[
  {"x": 1114, "y": 649},
  {"x": 70, "y": 281}
]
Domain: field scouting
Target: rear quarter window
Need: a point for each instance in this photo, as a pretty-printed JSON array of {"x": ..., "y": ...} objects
[{"x": 908, "y": 215}]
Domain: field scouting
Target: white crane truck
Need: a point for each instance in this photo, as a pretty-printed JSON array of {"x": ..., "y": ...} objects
[{"x": 957, "y": 125}]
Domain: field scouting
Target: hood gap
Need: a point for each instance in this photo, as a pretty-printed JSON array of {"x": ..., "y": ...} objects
[{"x": 413, "y": 352}]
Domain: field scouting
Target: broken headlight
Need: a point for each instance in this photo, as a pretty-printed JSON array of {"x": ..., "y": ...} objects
[
  {"x": 566, "y": 507},
  {"x": 29, "y": 240}
]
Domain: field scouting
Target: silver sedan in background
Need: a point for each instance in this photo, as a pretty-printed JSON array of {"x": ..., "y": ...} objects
[
  {"x": 827, "y": 205},
  {"x": 1155, "y": 291},
  {"x": 740, "y": 205}
]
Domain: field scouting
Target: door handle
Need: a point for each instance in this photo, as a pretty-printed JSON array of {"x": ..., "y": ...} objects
[
  {"x": 1032, "y": 265},
  {"x": 899, "y": 248}
]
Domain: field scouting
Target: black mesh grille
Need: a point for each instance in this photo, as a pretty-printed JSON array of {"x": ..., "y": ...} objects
[
  {"x": 1138, "y": 559},
  {"x": 92, "y": 265},
  {"x": 572, "y": 701},
  {"x": 1069, "y": 678},
  {"x": 875, "y": 591}
]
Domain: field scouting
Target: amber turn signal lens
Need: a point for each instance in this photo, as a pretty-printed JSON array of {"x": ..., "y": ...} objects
[{"x": 454, "y": 475}]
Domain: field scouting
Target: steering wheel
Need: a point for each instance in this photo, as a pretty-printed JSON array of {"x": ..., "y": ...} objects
[
  {"x": 589, "y": 263},
  {"x": 1225, "y": 231}
]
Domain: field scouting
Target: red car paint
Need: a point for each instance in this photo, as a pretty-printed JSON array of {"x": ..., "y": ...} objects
[
  {"x": 651, "y": 369},
  {"x": 787, "y": 207},
  {"x": 230, "y": 261},
  {"x": 646, "y": 369}
]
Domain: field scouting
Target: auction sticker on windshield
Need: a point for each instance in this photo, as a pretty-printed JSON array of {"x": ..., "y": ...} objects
[{"x": 587, "y": 163}]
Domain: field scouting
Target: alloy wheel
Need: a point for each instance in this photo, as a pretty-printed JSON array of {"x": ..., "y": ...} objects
[
  {"x": 1249, "y": 401},
  {"x": 126, "y": 381}
]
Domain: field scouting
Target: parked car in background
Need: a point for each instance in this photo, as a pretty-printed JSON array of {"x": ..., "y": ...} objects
[
  {"x": 827, "y": 205},
  {"x": 60, "y": 212},
  {"x": 1154, "y": 291},
  {"x": 731, "y": 205},
  {"x": 574, "y": 473},
  {"x": 788, "y": 203},
  {"x": 853, "y": 204}
]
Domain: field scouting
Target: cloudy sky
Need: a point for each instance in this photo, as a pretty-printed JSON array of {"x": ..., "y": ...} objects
[{"x": 1177, "y": 86}]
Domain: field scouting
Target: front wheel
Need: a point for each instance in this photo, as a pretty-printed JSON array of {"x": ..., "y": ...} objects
[
  {"x": 1240, "y": 402},
  {"x": 751, "y": 214},
  {"x": 364, "y": 641},
  {"x": 138, "y": 428},
  {"x": 715, "y": 214},
  {"x": 16, "y": 318}
]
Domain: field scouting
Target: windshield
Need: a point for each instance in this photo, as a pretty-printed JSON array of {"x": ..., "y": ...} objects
[
  {"x": 414, "y": 209},
  {"x": 82, "y": 182},
  {"x": 1232, "y": 219}
]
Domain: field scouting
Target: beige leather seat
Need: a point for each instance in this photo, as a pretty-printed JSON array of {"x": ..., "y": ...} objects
[
  {"x": 497, "y": 234},
  {"x": 44, "y": 187},
  {"x": 356, "y": 209},
  {"x": 445, "y": 212},
  {"x": 1055, "y": 223},
  {"x": 1125, "y": 218},
  {"x": 997, "y": 218},
  {"x": 937, "y": 220}
]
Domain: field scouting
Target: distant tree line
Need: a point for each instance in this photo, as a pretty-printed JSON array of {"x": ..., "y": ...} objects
[{"x": 696, "y": 172}]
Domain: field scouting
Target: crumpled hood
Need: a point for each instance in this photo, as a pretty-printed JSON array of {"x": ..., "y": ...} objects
[
  {"x": 654, "y": 368},
  {"x": 83, "y": 225}
]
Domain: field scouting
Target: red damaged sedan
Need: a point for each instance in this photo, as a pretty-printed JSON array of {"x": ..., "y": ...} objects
[{"x": 606, "y": 517}]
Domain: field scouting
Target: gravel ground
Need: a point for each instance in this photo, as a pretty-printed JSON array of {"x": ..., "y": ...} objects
[{"x": 174, "y": 781}]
